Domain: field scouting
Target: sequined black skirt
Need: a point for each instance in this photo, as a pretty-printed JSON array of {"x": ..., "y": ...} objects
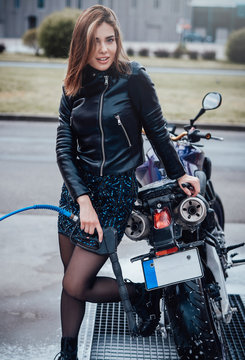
[{"x": 112, "y": 197}]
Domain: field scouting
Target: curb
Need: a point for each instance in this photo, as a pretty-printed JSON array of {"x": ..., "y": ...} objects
[
  {"x": 49, "y": 118},
  {"x": 226, "y": 127},
  {"x": 23, "y": 117}
]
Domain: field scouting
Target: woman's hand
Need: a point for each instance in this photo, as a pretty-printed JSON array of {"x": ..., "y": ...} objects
[
  {"x": 194, "y": 181},
  {"x": 89, "y": 220}
]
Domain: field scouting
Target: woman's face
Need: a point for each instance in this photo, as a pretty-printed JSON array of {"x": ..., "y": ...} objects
[{"x": 105, "y": 49}]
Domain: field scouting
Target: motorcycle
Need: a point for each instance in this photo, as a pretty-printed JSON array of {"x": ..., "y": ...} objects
[{"x": 188, "y": 258}]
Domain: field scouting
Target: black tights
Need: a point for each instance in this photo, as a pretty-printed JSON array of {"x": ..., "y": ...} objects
[{"x": 80, "y": 284}]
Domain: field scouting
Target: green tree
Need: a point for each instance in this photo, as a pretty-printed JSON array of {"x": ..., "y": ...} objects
[
  {"x": 55, "y": 32},
  {"x": 235, "y": 48},
  {"x": 30, "y": 39}
]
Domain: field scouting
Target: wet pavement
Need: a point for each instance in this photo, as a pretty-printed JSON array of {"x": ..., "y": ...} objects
[
  {"x": 30, "y": 268},
  {"x": 30, "y": 283}
]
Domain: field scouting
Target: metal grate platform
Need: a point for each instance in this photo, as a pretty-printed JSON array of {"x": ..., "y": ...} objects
[
  {"x": 107, "y": 336},
  {"x": 111, "y": 338},
  {"x": 234, "y": 333}
]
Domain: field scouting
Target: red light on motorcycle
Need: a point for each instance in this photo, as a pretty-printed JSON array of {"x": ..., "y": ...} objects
[
  {"x": 162, "y": 218},
  {"x": 167, "y": 252}
]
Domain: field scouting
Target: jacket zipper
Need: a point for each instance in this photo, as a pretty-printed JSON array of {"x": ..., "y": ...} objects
[
  {"x": 100, "y": 124},
  {"x": 122, "y": 126}
]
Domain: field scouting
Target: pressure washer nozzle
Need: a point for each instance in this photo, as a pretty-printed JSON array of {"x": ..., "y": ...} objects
[{"x": 75, "y": 218}]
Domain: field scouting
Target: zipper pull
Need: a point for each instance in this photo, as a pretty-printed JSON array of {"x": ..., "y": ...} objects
[
  {"x": 106, "y": 79},
  {"x": 118, "y": 119}
]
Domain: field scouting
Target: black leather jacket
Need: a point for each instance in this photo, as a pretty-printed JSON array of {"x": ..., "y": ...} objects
[{"x": 100, "y": 128}]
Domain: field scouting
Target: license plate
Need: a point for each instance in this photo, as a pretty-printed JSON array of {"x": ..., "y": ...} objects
[{"x": 171, "y": 269}]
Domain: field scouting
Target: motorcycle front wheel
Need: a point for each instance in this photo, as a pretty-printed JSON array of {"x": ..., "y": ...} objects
[{"x": 196, "y": 331}]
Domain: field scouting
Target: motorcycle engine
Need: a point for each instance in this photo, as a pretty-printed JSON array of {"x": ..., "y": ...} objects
[{"x": 138, "y": 226}]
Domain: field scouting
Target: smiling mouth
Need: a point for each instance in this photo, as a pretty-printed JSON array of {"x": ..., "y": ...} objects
[{"x": 104, "y": 59}]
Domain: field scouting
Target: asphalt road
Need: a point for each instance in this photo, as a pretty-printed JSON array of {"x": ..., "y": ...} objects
[
  {"x": 29, "y": 174},
  {"x": 30, "y": 269},
  {"x": 168, "y": 70}
]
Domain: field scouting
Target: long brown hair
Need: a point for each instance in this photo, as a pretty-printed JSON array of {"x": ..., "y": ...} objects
[{"x": 83, "y": 42}]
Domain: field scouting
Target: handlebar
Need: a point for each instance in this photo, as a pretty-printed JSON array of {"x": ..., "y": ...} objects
[
  {"x": 188, "y": 186},
  {"x": 194, "y": 135},
  {"x": 178, "y": 137}
]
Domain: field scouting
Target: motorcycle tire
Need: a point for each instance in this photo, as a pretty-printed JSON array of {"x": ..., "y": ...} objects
[
  {"x": 196, "y": 333},
  {"x": 219, "y": 210}
]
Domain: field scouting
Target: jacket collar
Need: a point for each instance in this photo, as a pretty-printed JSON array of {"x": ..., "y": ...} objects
[{"x": 89, "y": 73}]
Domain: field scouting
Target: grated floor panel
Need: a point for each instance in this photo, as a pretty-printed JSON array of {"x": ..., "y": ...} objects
[
  {"x": 107, "y": 336},
  {"x": 111, "y": 338},
  {"x": 234, "y": 333}
]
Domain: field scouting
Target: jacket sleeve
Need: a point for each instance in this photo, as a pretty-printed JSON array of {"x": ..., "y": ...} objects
[
  {"x": 145, "y": 101},
  {"x": 66, "y": 151}
]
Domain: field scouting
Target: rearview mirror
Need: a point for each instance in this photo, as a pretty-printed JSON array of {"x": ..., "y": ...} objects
[{"x": 211, "y": 101}]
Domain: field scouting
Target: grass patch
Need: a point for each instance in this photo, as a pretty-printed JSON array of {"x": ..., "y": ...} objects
[
  {"x": 187, "y": 63},
  {"x": 181, "y": 95},
  {"x": 5, "y": 56},
  {"x": 30, "y": 90},
  {"x": 38, "y": 91}
]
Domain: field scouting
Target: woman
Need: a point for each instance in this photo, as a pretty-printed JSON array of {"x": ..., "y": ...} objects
[{"x": 106, "y": 100}]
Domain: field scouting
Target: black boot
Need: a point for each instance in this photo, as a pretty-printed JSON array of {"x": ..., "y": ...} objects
[
  {"x": 147, "y": 308},
  {"x": 68, "y": 349}
]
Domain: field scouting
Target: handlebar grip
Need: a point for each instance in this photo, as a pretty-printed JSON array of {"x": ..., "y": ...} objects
[
  {"x": 208, "y": 136},
  {"x": 217, "y": 138},
  {"x": 188, "y": 186}
]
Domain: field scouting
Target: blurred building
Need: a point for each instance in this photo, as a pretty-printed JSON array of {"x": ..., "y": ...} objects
[
  {"x": 216, "y": 19},
  {"x": 141, "y": 20}
]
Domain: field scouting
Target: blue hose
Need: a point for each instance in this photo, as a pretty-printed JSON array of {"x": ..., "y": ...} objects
[{"x": 39, "y": 206}]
